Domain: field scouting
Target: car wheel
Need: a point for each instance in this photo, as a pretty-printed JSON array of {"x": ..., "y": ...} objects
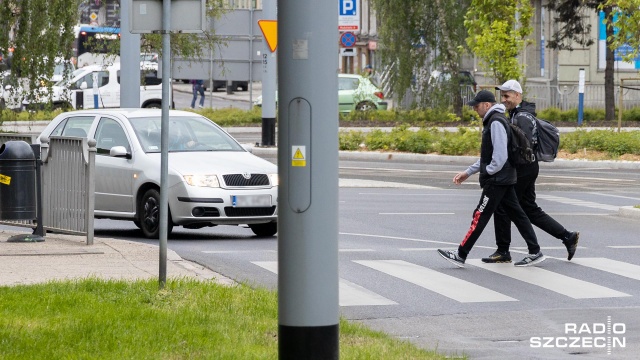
[
  {"x": 149, "y": 213},
  {"x": 268, "y": 229},
  {"x": 153, "y": 105},
  {"x": 366, "y": 106}
]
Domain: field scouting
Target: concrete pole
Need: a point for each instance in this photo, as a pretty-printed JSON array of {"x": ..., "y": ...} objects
[
  {"x": 164, "y": 138},
  {"x": 269, "y": 76},
  {"x": 308, "y": 311},
  {"x": 129, "y": 60}
]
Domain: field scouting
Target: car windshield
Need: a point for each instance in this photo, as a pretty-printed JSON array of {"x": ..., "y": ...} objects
[
  {"x": 186, "y": 133},
  {"x": 74, "y": 74}
]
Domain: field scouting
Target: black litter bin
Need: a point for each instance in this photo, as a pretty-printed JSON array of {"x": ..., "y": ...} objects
[{"x": 17, "y": 181}]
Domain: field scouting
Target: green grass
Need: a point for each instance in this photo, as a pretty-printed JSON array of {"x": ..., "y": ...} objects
[{"x": 98, "y": 319}]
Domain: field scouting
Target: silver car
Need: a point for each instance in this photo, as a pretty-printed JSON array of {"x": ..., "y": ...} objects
[{"x": 212, "y": 179}]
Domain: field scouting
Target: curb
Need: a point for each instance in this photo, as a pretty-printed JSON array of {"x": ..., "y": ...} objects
[{"x": 629, "y": 212}]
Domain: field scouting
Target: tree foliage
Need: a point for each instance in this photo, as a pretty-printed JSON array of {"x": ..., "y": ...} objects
[
  {"x": 419, "y": 36},
  {"x": 626, "y": 19},
  {"x": 497, "y": 33},
  {"x": 39, "y": 31}
]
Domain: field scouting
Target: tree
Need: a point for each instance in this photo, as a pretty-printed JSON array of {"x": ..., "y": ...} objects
[
  {"x": 39, "y": 31},
  {"x": 626, "y": 19},
  {"x": 497, "y": 33},
  {"x": 575, "y": 29},
  {"x": 418, "y": 36}
]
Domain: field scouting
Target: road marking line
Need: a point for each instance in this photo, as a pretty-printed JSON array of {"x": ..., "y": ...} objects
[
  {"x": 624, "y": 246},
  {"x": 445, "y": 285},
  {"x": 561, "y": 284},
  {"x": 630, "y": 271},
  {"x": 401, "y": 238},
  {"x": 576, "y": 202},
  {"x": 350, "y": 294},
  {"x": 355, "y": 250},
  {"x": 234, "y": 251},
  {"x": 416, "y": 213}
]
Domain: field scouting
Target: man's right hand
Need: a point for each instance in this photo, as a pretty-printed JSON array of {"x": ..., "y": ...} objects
[{"x": 460, "y": 178}]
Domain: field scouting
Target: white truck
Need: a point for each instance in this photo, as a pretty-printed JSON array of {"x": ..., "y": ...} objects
[{"x": 78, "y": 92}]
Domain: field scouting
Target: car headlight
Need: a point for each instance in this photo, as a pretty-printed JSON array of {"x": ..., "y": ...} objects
[
  {"x": 202, "y": 180},
  {"x": 274, "y": 179}
]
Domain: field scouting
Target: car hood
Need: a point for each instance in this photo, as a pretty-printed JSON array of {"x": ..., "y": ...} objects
[{"x": 217, "y": 162}]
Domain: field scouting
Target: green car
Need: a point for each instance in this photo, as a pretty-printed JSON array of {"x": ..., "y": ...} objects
[{"x": 355, "y": 92}]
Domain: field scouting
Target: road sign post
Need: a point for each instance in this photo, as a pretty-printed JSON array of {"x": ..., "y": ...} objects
[{"x": 269, "y": 28}]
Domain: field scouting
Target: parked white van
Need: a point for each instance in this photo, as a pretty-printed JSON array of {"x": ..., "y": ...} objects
[{"x": 78, "y": 92}]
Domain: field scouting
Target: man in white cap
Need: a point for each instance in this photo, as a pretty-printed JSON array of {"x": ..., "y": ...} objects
[{"x": 522, "y": 113}]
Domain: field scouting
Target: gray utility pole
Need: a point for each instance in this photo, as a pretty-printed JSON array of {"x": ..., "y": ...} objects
[
  {"x": 268, "y": 81},
  {"x": 129, "y": 60},
  {"x": 308, "y": 310},
  {"x": 164, "y": 139}
]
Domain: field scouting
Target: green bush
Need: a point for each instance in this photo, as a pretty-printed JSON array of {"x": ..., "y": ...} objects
[
  {"x": 608, "y": 141},
  {"x": 232, "y": 116}
]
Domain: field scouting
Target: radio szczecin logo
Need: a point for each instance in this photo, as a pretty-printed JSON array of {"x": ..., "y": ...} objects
[{"x": 585, "y": 335}]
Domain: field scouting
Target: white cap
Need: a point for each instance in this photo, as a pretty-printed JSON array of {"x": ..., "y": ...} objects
[{"x": 510, "y": 85}]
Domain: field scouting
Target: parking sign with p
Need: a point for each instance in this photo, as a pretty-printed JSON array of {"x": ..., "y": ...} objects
[{"x": 348, "y": 19}]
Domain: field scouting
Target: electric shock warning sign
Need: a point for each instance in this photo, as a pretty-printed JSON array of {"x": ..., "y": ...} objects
[
  {"x": 4, "y": 179},
  {"x": 299, "y": 155}
]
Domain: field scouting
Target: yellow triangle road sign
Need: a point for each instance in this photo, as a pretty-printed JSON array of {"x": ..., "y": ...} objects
[{"x": 270, "y": 32}]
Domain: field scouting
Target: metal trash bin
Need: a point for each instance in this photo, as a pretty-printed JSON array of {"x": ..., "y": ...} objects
[{"x": 17, "y": 181}]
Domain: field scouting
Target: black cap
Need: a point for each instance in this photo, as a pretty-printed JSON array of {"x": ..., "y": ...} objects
[{"x": 482, "y": 96}]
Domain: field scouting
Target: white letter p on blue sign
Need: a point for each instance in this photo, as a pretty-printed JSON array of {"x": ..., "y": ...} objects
[{"x": 347, "y": 7}]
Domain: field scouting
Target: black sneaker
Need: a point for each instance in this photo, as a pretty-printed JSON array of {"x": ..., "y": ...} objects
[
  {"x": 572, "y": 244},
  {"x": 452, "y": 257},
  {"x": 531, "y": 259},
  {"x": 498, "y": 257}
]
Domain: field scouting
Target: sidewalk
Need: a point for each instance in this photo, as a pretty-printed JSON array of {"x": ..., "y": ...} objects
[
  {"x": 255, "y": 90},
  {"x": 62, "y": 257}
]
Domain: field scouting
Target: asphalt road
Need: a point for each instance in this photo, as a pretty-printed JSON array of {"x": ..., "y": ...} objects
[{"x": 392, "y": 279}]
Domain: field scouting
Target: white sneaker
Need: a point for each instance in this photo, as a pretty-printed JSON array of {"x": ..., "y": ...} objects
[{"x": 531, "y": 259}]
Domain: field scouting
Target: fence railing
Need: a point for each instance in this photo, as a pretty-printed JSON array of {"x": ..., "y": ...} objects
[
  {"x": 68, "y": 171},
  {"x": 563, "y": 97}
]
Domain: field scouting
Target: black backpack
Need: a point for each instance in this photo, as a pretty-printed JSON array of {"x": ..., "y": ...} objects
[
  {"x": 519, "y": 147},
  {"x": 546, "y": 148}
]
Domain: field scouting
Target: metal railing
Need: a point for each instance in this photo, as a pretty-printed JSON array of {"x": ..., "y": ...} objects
[{"x": 68, "y": 190}]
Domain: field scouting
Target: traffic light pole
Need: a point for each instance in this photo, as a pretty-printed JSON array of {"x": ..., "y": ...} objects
[{"x": 308, "y": 316}]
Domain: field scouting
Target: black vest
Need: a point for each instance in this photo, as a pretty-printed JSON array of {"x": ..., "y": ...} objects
[{"x": 507, "y": 175}]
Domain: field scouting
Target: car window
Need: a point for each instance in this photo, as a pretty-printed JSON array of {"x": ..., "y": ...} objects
[
  {"x": 74, "y": 126},
  {"x": 103, "y": 79},
  {"x": 109, "y": 134},
  {"x": 348, "y": 83},
  {"x": 186, "y": 133}
]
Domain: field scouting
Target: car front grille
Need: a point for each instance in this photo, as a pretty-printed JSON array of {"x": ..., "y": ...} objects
[
  {"x": 235, "y": 180},
  {"x": 249, "y": 211}
]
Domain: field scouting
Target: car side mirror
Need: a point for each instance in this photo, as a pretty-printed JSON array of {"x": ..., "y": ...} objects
[
  {"x": 83, "y": 85},
  {"x": 119, "y": 151}
]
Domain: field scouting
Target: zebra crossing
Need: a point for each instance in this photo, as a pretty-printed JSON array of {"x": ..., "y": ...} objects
[{"x": 463, "y": 291}]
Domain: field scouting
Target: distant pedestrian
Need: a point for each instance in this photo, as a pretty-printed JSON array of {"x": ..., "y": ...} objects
[
  {"x": 197, "y": 87},
  {"x": 497, "y": 180},
  {"x": 523, "y": 115}
]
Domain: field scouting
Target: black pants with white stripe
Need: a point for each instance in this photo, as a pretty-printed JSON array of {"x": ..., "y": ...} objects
[
  {"x": 526, "y": 194},
  {"x": 492, "y": 197}
]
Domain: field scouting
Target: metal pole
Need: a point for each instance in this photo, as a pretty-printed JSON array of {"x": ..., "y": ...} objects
[
  {"x": 129, "y": 60},
  {"x": 269, "y": 81},
  {"x": 620, "y": 105},
  {"x": 308, "y": 311},
  {"x": 580, "y": 96},
  {"x": 164, "y": 138}
]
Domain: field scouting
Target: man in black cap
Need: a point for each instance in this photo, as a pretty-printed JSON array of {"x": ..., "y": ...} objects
[{"x": 497, "y": 180}]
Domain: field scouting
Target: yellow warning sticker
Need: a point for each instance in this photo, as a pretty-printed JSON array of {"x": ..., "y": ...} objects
[
  {"x": 4, "y": 179},
  {"x": 299, "y": 156}
]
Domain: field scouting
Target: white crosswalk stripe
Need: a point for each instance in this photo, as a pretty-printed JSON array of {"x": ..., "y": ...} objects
[
  {"x": 576, "y": 202},
  {"x": 350, "y": 294},
  {"x": 562, "y": 284},
  {"x": 443, "y": 284},
  {"x": 611, "y": 266}
]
